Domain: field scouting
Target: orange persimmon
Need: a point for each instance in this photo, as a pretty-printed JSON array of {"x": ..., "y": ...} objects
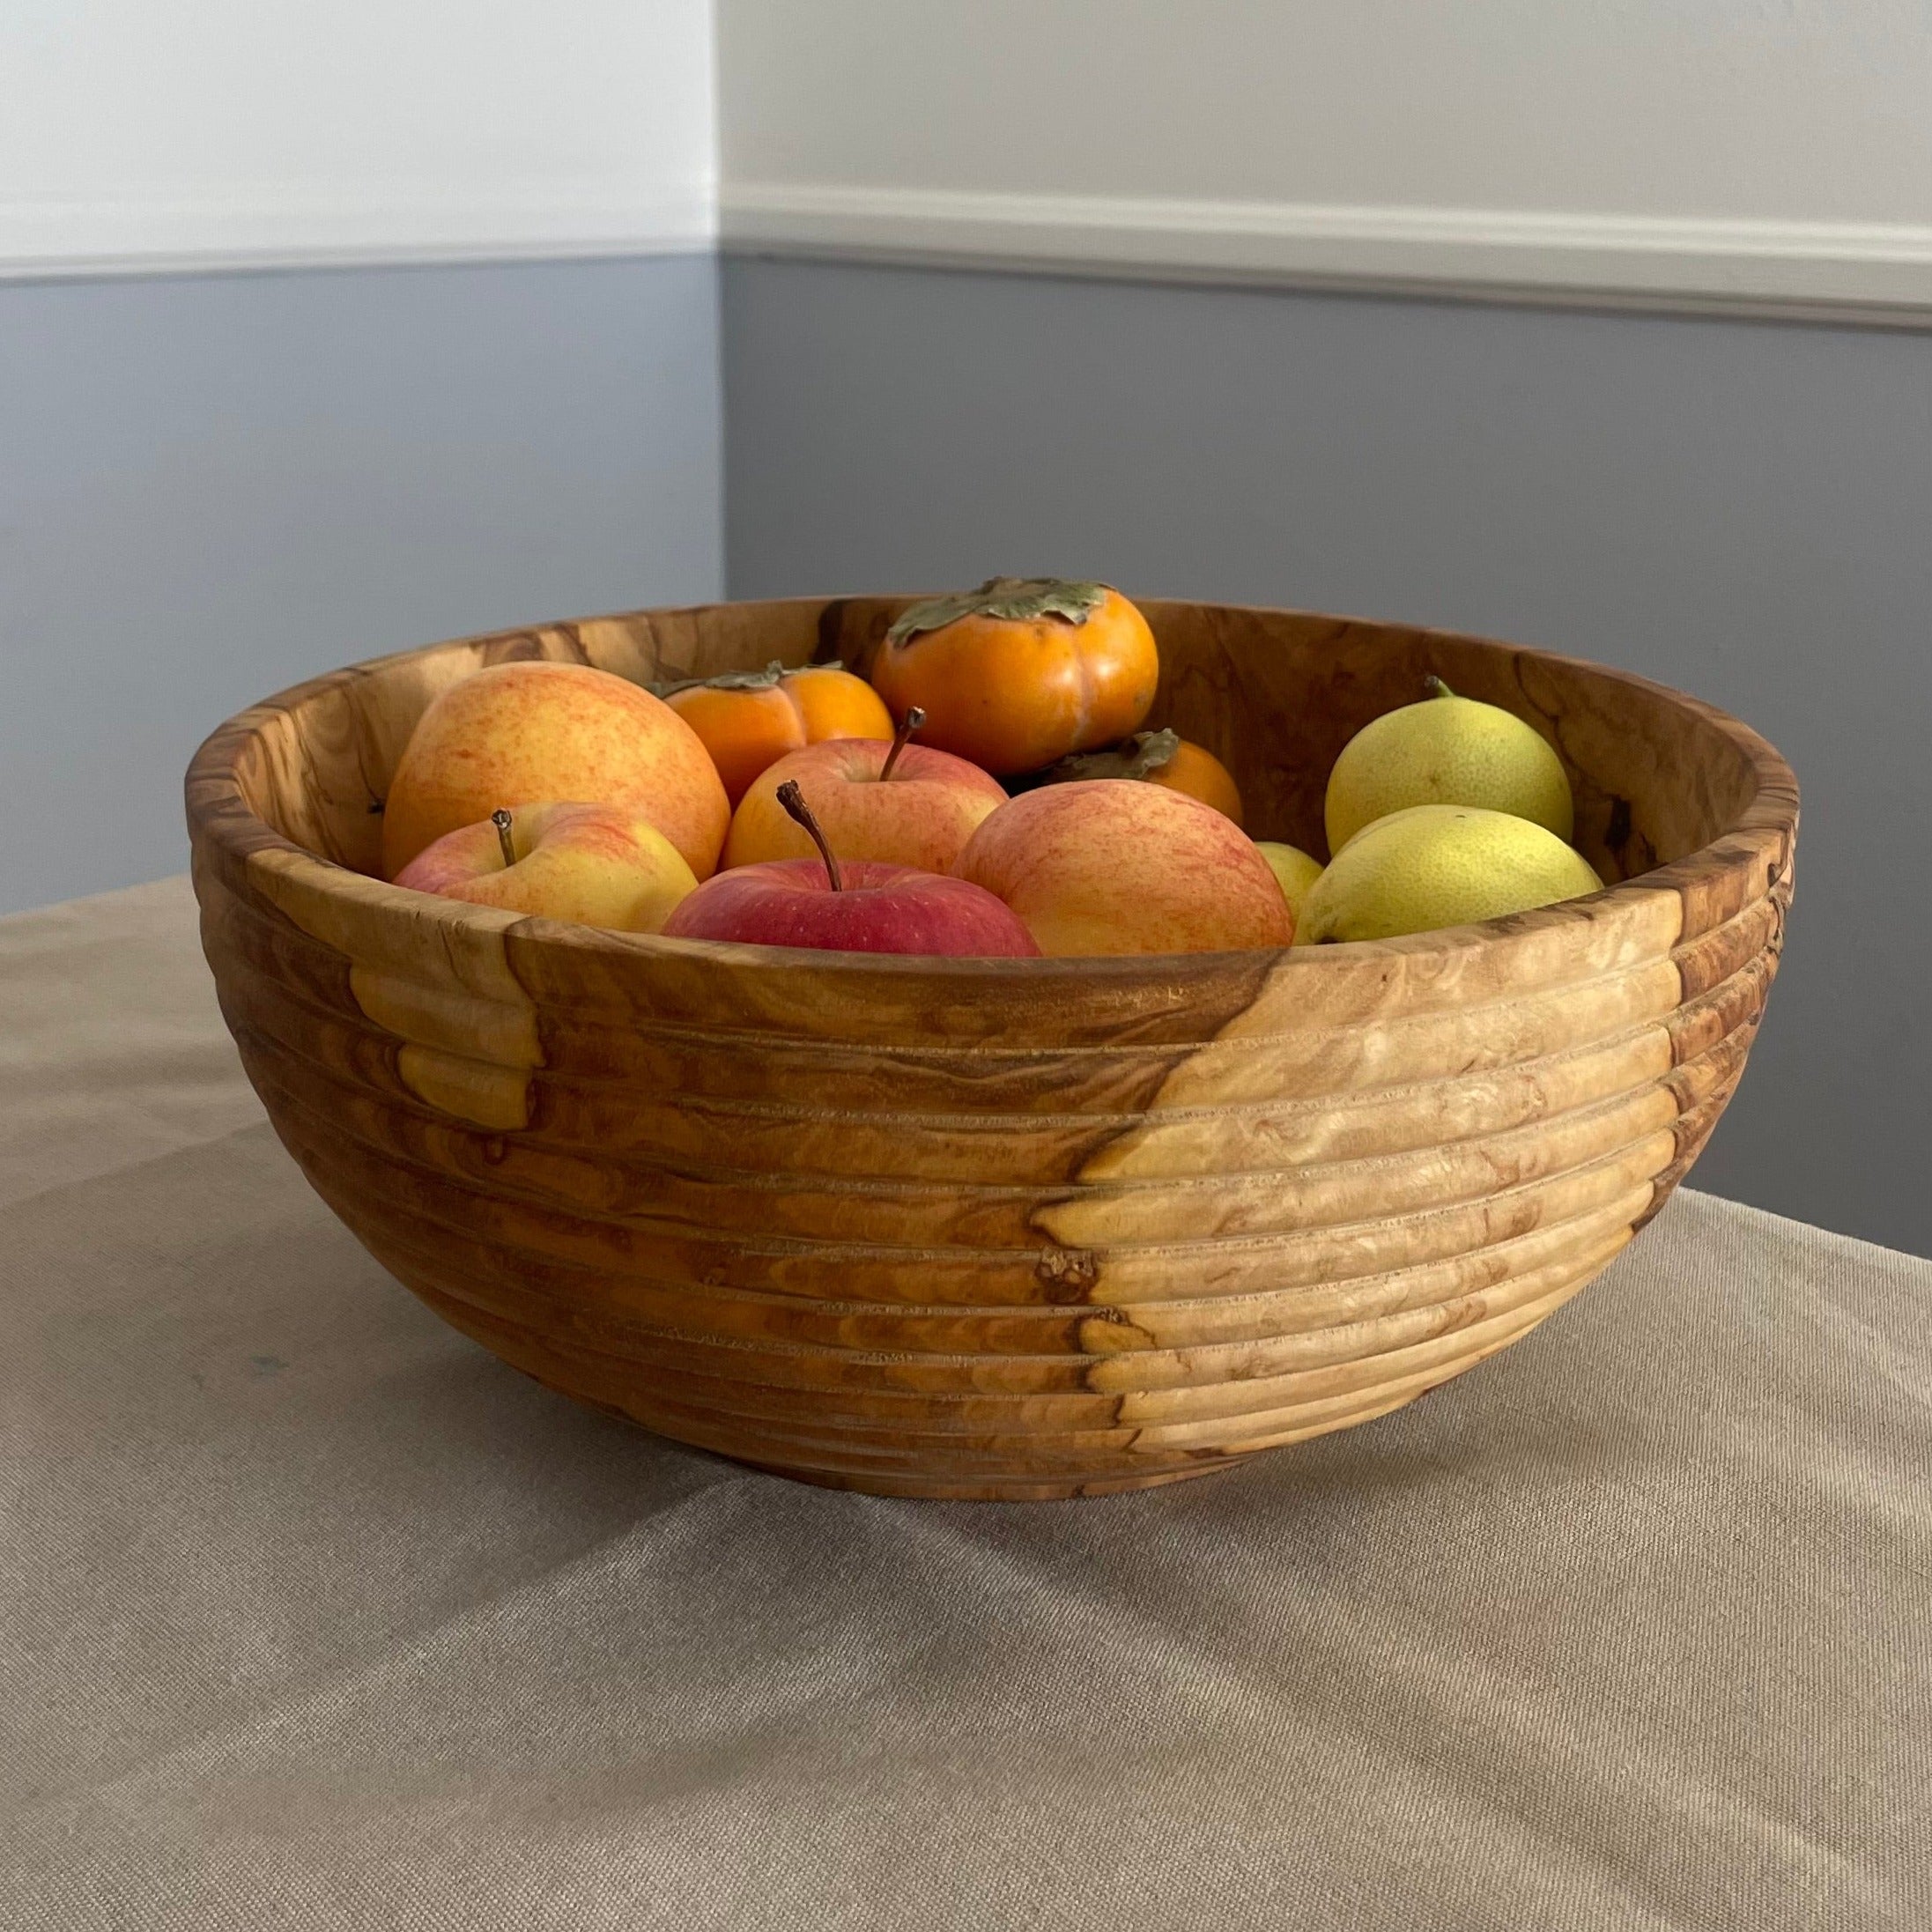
[
  {"x": 1161, "y": 758},
  {"x": 750, "y": 720},
  {"x": 1196, "y": 771},
  {"x": 1020, "y": 672}
]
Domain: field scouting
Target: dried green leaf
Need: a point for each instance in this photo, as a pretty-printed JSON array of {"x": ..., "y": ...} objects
[
  {"x": 1140, "y": 756},
  {"x": 1019, "y": 599},
  {"x": 729, "y": 680}
]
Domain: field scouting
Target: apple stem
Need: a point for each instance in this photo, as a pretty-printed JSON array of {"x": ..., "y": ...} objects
[
  {"x": 915, "y": 717},
  {"x": 501, "y": 819},
  {"x": 1435, "y": 687},
  {"x": 794, "y": 802}
]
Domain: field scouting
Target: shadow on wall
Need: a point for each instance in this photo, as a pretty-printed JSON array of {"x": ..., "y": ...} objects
[{"x": 1736, "y": 508}]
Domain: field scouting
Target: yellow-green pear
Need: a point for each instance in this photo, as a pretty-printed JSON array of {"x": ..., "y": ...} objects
[
  {"x": 1431, "y": 866},
  {"x": 1294, "y": 870},
  {"x": 1446, "y": 751}
]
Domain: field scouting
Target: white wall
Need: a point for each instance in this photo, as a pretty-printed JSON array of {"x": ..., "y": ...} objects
[
  {"x": 1763, "y": 153},
  {"x": 152, "y": 134},
  {"x": 1768, "y": 153}
]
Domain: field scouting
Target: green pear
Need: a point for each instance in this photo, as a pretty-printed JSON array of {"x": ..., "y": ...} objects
[
  {"x": 1431, "y": 866},
  {"x": 1294, "y": 870},
  {"x": 1446, "y": 751}
]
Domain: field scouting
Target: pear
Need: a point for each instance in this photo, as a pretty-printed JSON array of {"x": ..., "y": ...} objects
[
  {"x": 1446, "y": 751},
  {"x": 1439, "y": 865},
  {"x": 1294, "y": 870}
]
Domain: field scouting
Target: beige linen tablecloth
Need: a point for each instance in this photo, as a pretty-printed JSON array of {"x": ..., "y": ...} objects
[{"x": 312, "y": 1614}]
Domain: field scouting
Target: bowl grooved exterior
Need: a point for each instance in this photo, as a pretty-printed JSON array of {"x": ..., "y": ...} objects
[{"x": 1016, "y": 1229}]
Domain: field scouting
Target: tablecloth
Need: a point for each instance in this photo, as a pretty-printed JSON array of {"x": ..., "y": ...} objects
[{"x": 313, "y": 1615}]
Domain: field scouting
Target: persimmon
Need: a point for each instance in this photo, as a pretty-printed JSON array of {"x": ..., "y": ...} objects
[
  {"x": 1161, "y": 758},
  {"x": 1194, "y": 770},
  {"x": 749, "y": 720},
  {"x": 1022, "y": 670}
]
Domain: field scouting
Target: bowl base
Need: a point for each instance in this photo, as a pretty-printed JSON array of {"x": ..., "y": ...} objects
[{"x": 927, "y": 1488}]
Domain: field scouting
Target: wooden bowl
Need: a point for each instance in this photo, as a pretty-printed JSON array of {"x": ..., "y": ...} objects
[{"x": 1011, "y": 1228}]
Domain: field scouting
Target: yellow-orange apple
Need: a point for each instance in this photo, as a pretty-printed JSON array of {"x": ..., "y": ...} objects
[
  {"x": 601, "y": 865},
  {"x": 514, "y": 735},
  {"x": 1108, "y": 866},
  {"x": 921, "y": 814}
]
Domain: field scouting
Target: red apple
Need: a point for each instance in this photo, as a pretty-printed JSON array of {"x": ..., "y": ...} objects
[
  {"x": 857, "y": 905},
  {"x": 600, "y": 865},
  {"x": 904, "y": 804}
]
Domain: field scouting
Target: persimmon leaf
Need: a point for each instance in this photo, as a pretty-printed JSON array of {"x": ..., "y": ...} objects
[{"x": 1020, "y": 600}]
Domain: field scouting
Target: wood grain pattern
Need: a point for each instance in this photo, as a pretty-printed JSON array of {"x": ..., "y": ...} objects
[{"x": 1008, "y": 1229}]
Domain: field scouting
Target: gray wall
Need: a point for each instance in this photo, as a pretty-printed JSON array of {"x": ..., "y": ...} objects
[
  {"x": 1744, "y": 510},
  {"x": 212, "y": 486}
]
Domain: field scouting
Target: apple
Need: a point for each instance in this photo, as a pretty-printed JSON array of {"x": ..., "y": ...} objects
[
  {"x": 898, "y": 803},
  {"x": 854, "y": 905},
  {"x": 1111, "y": 866},
  {"x": 601, "y": 865},
  {"x": 518, "y": 734}
]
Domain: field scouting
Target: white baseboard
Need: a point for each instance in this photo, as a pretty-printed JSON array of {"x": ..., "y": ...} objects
[
  {"x": 47, "y": 239},
  {"x": 1864, "y": 273},
  {"x": 1856, "y": 272}
]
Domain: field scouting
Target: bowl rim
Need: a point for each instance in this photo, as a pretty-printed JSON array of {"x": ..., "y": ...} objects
[{"x": 219, "y": 813}]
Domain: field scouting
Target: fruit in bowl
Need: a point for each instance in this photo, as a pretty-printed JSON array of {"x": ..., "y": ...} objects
[
  {"x": 896, "y": 803},
  {"x": 1103, "y": 867},
  {"x": 1016, "y": 668},
  {"x": 1446, "y": 751},
  {"x": 1161, "y": 757},
  {"x": 1432, "y": 866},
  {"x": 600, "y": 865},
  {"x": 750, "y": 720},
  {"x": 1022, "y": 670},
  {"x": 517, "y": 734},
  {"x": 1295, "y": 872},
  {"x": 856, "y": 906}
]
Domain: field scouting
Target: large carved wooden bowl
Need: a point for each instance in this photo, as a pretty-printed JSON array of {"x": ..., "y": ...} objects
[{"x": 1002, "y": 1228}]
